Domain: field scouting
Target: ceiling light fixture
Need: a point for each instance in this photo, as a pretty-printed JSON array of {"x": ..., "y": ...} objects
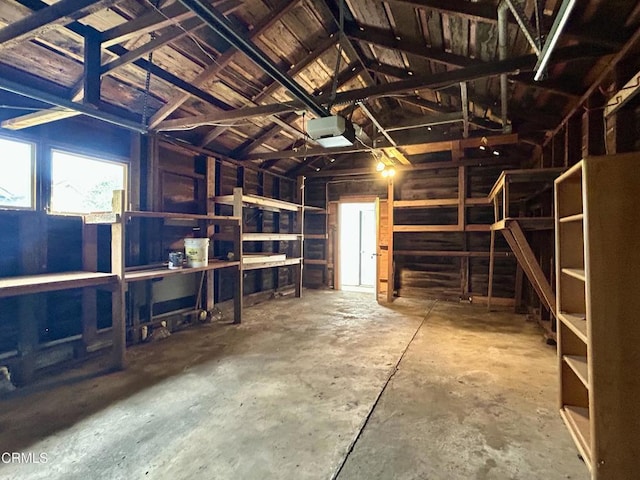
[
  {"x": 388, "y": 172},
  {"x": 380, "y": 166}
]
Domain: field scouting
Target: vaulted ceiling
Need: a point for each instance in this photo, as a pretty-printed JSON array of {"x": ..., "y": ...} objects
[{"x": 242, "y": 79}]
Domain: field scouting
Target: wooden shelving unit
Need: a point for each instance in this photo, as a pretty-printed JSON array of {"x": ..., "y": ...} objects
[
  {"x": 293, "y": 256},
  {"x": 317, "y": 247},
  {"x": 32, "y": 353},
  {"x": 126, "y": 274},
  {"x": 597, "y": 263}
]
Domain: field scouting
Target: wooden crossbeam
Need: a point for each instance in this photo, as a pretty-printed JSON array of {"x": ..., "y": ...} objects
[
  {"x": 409, "y": 85},
  {"x": 267, "y": 92},
  {"x": 212, "y": 70},
  {"x": 154, "y": 20},
  {"x": 382, "y": 37},
  {"x": 61, "y": 13}
]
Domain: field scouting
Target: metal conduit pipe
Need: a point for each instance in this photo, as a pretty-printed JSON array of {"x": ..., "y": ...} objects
[{"x": 503, "y": 8}]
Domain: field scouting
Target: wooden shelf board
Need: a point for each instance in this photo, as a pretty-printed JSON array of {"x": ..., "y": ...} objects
[
  {"x": 426, "y": 203},
  {"x": 47, "y": 282},
  {"x": 578, "y": 217},
  {"x": 314, "y": 210},
  {"x": 311, "y": 261},
  {"x": 111, "y": 217},
  {"x": 577, "y": 421},
  {"x": 579, "y": 365},
  {"x": 257, "y": 201},
  {"x": 249, "y": 258},
  {"x": 447, "y": 253},
  {"x": 477, "y": 228},
  {"x": 315, "y": 236},
  {"x": 426, "y": 228},
  {"x": 576, "y": 323},
  {"x": 271, "y": 263},
  {"x": 575, "y": 273},
  {"x": 267, "y": 237},
  {"x": 149, "y": 274}
]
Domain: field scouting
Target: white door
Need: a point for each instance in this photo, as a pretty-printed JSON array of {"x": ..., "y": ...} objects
[
  {"x": 368, "y": 247},
  {"x": 357, "y": 245}
]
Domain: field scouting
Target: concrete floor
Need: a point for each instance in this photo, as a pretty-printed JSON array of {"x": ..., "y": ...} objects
[{"x": 327, "y": 386}]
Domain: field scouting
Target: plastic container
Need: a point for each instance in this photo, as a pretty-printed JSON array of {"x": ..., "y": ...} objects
[{"x": 197, "y": 251}]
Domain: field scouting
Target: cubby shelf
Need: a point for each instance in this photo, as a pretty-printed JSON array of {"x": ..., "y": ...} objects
[{"x": 597, "y": 226}]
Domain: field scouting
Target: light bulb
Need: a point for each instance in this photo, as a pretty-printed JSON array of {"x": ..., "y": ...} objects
[
  {"x": 385, "y": 173},
  {"x": 392, "y": 172},
  {"x": 379, "y": 167}
]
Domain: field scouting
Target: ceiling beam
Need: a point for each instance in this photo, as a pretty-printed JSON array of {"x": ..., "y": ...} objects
[
  {"x": 409, "y": 149},
  {"x": 146, "y": 23},
  {"x": 170, "y": 34},
  {"x": 268, "y": 91},
  {"x": 525, "y": 79},
  {"x": 426, "y": 121},
  {"x": 229, "y": 115},
  {"x": 61, "y": 13},
  {"x": 464, "y": 162},
  {"x": 222, "y": 26},
  {"x": 221, "y": 62},
  {"x": 26, "y": 91},
  {"x": 488, "y": 13},
  {"x": 117, "y": 50},
  {"x": 437, "y": 80},
  {"x": 383, "y": 38}
]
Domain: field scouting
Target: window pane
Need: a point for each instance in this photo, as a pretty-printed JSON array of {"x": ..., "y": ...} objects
[
  {"x": 16, "y": 180},
  {"x": 82, "y": 184}
]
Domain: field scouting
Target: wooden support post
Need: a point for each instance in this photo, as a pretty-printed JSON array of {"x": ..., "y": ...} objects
[
  {"x": 491, "y": 261},
  {"x": 462, "y": 193},
  {"x": 518, "y": 289},
  {"x": 211, "y": 192},
  {"x": 276, "y": 245},
  {"x": 390, "y": 272},
  {"x": 118, "y": 306},
  {"x": 89, "y": 295},
  {"x": 238, "y": 275},
  {"x": 31, "y": 308},
  {"x": 92, "y": 59},
  {"x": 299, "y": 197}
]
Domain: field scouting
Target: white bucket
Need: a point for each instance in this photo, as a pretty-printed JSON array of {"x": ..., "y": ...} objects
[{"x": 197, "y": 251}]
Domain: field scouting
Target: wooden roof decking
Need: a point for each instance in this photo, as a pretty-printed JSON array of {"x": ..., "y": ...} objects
[{"x": 194, "y": 71}]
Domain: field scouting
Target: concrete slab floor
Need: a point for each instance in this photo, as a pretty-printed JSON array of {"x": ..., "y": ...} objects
[{"x": 291, "y": 393}]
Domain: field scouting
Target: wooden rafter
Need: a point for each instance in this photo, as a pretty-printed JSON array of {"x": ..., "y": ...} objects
[
  {"x": 271, "y": 89},
  {"x": 61, "y": 13},
  {"x": 437, "y": 80},
  {"x": 53, "y": 114},
  {"x": 383, "y": 38},
  {"x": 174, "y": 103}
]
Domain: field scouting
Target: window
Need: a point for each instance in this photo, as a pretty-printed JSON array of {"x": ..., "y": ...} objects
[
  {"x": 17, "y": 178},
  {"x": 81, "y": 184}
]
